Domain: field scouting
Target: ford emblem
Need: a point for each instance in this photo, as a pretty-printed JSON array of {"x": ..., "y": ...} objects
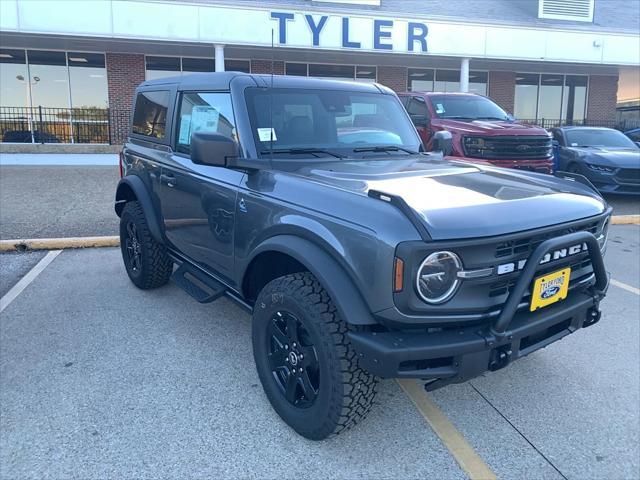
[{"x": 550, "y": 292}]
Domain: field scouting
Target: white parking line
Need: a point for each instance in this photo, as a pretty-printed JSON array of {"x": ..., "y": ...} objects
[
  {"x": 626, "y": 287},
  {"x": 24, "y": 282}
]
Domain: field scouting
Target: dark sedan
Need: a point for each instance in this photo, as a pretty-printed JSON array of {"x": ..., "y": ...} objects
[{"x": 609, "y": 159}]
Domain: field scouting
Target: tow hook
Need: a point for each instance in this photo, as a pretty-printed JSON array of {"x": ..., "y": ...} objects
[
  {"x": 500, "y": 357},
  {"x": 593, "y": 317}
]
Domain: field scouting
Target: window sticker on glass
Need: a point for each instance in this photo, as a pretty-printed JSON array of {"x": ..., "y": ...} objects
[
  {"x": 185, "y": 130},
  {"x": 574, "y": 144},
  {"x": 439, "y": 108},
  {"x": 265, "y": 134},
  {"x": 204, "y": 117}
]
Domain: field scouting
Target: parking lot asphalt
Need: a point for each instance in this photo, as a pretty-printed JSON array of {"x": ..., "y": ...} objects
[
  {"x": 99, "y": 379},
  {"x": 57, "y": 201},
  {"x": 77, "y": 201}
]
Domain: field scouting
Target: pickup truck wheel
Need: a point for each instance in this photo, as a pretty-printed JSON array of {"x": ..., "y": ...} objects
[
  {"x": 146, "y": 260},
  {"x": 308, "y": 368}
]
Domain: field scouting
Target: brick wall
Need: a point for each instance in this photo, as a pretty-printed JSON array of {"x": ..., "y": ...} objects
[
  {"x": 393, "y": 77},
  {"x": 603, "y": 92},
  {"x": 264, "y": 67},
  {"x": 124, "y": 73},
  {"x": 502, "y": 89}
]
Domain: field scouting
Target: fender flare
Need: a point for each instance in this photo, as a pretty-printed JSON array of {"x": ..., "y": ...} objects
[
  {"x": 331, "y": 275},
  {"x": 143, "y": 196}
]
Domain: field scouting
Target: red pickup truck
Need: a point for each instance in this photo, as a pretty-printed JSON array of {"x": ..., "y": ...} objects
[{"x": 482, "y": 131}]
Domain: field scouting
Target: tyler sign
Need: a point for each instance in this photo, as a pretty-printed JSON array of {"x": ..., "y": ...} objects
[{"x": 357, "y": 33}]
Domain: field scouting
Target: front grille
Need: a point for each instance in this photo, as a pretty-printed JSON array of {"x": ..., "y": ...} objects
[
  {"x": 508, "y": 148},
  {"x": 527, "y": 245},
  {"x": 628, "y": 175},
  {"x": 504, "y": 287}
]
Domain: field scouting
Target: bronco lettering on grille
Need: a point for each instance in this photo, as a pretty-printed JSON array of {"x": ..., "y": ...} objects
[{"x": 551, "y": 256}]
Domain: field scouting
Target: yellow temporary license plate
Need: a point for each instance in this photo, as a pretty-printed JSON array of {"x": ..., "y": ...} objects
[{"x": 550, "y": 288}]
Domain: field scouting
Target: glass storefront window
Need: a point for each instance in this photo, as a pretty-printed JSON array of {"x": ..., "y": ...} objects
[
  {"x": 478, "y": 82},
  {"x": 88, "y": 80},
  {"x": 297, "y": 69},
  {"x": 237, "y": 66},
  {"x": 550, "y": 102},
  {"x": 551, "y": 97},
  {"x": 366, "y": 74},
  {"x": 195, "y": 65},
  {"x": 161, "y": 67},
  {"x": 447, "y": 81},
  {"x": 526, "y": 97},
  {"x": 574, "y": 99},
  {"x": 13, "y": 78},
  {"x": 50, "y": 85},
  {"x": 335, "y": 72},
  {"x": 420, "y": 80}
]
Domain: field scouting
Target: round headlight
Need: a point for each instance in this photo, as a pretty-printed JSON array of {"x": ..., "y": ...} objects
[{"x": 438, "y": 277}]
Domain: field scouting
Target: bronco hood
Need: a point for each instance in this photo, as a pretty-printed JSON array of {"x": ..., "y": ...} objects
[{"x": 456, "y": 200}]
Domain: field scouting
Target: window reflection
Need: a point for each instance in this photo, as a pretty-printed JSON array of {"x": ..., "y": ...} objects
[
  {"x": 574, "y": 100},
  {"x": 550, "y": 102},
  {"x": 88, "y": 80},
  {"x": 526, "y": 97},
  {"x": 446, "y": 81},
  {"x": 551, "y": 97},
  {"x": 52, "y": 89},
  {"x": 420, "y": 80},
  {"x": 13, "y": 78}
]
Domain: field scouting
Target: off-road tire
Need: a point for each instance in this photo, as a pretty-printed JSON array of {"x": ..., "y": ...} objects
[
  {"x": 155, "y": 266},
  {"x": 346, "y": 392}
]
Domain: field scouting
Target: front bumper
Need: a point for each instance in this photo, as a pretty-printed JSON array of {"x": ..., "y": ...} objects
[
  {"x": 455, "y": 355},
  {"x": 612, "y": 183}
]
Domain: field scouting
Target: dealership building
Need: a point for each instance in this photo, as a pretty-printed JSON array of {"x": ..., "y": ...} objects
[{"x": 68, "y": 68}]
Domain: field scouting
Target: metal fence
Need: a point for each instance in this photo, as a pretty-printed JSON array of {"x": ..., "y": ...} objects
[
  {"x": 622, "y": 125},
  {"x": 111, "y": 126},
  {"x": 63, "y": 125}
]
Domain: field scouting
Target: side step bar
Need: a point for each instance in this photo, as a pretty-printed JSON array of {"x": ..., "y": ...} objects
[{"x": 205, "y": 289}]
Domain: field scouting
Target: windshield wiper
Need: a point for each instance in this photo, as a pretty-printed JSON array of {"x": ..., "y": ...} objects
[
  {"x": 381, "y": 148},
  {"x": 491, "y": 118},
  {"x": 302, "y": 151},
  {"x": 458, "y": 117}
]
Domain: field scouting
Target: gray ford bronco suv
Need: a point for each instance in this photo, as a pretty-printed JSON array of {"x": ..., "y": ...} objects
[{"x": 312, "y": 204}]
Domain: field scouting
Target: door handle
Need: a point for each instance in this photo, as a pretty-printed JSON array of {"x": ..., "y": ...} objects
[{"x": 168, "y": 180}]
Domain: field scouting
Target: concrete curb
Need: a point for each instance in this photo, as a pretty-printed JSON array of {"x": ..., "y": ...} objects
[
  {"x": 625, "y": 220},
  {"x": 95, "y": 242},
  {"x": 58, "y": 243}
]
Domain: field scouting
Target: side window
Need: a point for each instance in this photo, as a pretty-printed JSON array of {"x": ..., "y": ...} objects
[
  {"x": 150, "y": 114},
  {"x": 557, "y": 135},
  {"x": 203, "y": 111},
  {"x": 635, "y": 136},
  {"x": 417, "y": 106}
]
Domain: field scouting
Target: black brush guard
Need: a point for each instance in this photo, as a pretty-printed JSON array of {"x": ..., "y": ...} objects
[{"x": 457, "y": 355}]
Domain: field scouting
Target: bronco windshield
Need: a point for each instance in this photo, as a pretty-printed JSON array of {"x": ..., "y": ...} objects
[{"x": 329, "y": 123}]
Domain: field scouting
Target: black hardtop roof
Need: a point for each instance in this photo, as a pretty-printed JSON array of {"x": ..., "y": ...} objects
[{"x": 222, "y": 81}]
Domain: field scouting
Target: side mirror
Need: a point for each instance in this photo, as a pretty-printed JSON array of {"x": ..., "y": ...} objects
[
  {"x": 212, "y": 149},
  {"x": 421, "y": 121},
  {"x": 510, "y": 117},
  {"x": 637, "y": 143},
  {"x": 442, "y": 141}
]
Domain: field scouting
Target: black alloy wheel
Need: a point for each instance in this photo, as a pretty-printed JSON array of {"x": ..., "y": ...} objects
[
  {"x": 293, "y": 359},
  {"x": 133, "y": 247}
]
